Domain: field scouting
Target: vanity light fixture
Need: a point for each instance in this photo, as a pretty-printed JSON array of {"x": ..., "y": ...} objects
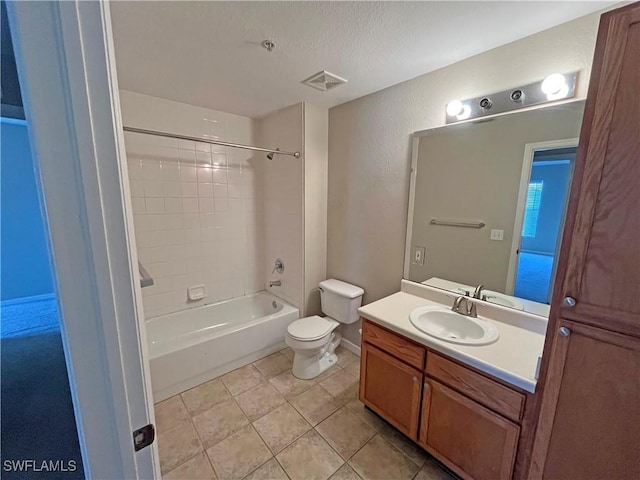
[{"x": 554, "y": 87}]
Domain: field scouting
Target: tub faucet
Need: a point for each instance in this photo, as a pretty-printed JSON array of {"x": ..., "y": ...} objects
[
  {"x": 275, "y": 283},
  {"x": 469, "y": 309}
]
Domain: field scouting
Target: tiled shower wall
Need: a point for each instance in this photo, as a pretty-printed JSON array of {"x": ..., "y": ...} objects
[{"x": 197, "y": 207}]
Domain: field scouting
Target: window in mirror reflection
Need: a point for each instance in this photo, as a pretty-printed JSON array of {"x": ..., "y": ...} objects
[{"x": 547, "y": 194}]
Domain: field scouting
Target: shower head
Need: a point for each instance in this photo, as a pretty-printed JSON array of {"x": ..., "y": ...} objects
[{"x": 271, "y": 154}]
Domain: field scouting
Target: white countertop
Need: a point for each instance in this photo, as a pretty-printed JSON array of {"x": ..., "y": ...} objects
[{"x": 513, "y": 358}]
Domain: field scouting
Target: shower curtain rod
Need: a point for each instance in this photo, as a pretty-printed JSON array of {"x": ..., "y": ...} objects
[{"x": 206, "y": 140}]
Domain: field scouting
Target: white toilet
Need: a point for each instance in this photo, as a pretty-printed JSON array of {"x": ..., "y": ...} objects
[{"x": 313, "y": 338}]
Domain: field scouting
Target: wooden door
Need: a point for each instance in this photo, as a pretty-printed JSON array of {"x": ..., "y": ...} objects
[
  {"x": 470, "y": 439},
  {"x": 391, "y": 388},
  {"x": 592, "y": 405},
  {"x": 600, "y": 257}
]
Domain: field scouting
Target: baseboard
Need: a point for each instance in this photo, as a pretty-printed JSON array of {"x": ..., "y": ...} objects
[{"x": 352, "y": 347}]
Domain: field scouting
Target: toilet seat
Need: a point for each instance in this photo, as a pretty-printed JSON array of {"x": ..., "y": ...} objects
[{"x": 311, "y": 328}]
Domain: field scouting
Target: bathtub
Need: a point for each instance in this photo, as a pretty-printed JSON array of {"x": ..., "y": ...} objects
[{"x": 190, "y": 347}]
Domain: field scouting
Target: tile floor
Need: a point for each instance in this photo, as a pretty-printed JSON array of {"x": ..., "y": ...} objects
[{"x": 260, "y": 422}]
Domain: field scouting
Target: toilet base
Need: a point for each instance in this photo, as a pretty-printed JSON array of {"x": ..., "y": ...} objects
[{"x": 309, "y": 365}]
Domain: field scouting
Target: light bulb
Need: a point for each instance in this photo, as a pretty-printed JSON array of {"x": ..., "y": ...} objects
[
  {"x": 554, "y": 84},
  {"x": 466, "y": 113},
  {"x": 454, "y": 108}
]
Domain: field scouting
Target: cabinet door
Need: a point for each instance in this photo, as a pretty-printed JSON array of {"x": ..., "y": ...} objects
[
  {"x": 600, "y": 257},
  {"x": 467, "y": 437},
  {"x": 391, "y": 388},
  {"x": 591, "y": 410}
]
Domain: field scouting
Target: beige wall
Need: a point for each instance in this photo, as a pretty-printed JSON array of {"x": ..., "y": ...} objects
[
  {"x": 282, "y": 201},
  {"x": 316, "y": 144},
  {"x": 472, "y": 172},
  {"x": 369, "y": 148}
]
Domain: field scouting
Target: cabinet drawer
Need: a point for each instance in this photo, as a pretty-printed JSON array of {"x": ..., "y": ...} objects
[
  {"x": 491, "y": 394},
  {"x": 393, "y": 344}
]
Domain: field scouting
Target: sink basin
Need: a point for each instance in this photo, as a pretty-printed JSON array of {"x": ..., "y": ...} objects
[
  {"x": 444, "y": 324},
  {"x": 501, "y": 299}
]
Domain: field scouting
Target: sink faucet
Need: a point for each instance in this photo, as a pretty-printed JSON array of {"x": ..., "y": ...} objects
[
  {"x": 477, "y": 293},
  {"x": 275, "y": 283},
  {"x": 469, "y": 307}
]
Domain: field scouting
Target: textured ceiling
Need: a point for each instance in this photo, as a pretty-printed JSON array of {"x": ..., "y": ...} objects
[{"x": 209, "y": 53}]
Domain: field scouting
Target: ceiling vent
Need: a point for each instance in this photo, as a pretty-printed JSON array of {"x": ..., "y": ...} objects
[{"x": 324, "y": 81}]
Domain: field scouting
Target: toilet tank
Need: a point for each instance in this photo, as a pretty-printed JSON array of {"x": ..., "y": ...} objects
[{"x": 340, "y": 300}]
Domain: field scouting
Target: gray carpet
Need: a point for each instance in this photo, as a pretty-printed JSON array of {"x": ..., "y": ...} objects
[{"x": 38, "y": 422}]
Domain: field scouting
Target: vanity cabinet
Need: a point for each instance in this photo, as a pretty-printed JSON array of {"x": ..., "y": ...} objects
[
  {"x": 467, "y": 420},
  {"x": 467, "y": 437}
]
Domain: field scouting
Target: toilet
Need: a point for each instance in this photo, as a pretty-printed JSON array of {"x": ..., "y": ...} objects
[{"x": 313, "y": 339}]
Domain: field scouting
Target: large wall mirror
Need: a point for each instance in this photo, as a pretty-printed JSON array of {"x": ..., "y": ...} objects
[{"x": 488, "y": 202}]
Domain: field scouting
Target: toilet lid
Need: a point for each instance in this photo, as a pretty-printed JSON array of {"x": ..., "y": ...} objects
[{"x": 311, "y": 328}]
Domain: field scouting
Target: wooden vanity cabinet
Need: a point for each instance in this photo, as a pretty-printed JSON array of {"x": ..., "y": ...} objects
[
  {"x": 470, "y": 439},
  {"x": 465, "y": 419}
]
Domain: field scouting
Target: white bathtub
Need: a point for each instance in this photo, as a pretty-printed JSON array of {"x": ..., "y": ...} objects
[{"x": 190, "y": 347}]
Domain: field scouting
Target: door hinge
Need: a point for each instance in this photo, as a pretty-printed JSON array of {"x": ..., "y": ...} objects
[{"x": 143, "y": 437}]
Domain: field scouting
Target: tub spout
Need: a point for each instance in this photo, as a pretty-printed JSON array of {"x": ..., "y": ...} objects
[{"x": 275, "y": 283}]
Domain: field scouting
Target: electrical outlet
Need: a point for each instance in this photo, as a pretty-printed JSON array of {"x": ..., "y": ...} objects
[
  {"x": 497, "y": 234},
  {"x": 418, "y": 256}
]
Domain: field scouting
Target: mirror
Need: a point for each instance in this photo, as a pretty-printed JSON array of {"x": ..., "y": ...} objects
[{"x": 487, "y": 204}]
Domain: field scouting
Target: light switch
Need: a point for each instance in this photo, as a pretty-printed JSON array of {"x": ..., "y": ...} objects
[{"x": 497, "y": 234}]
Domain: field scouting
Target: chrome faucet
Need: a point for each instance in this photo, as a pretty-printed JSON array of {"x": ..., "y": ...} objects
[
  {"x": 275, "y": 283},
  {"x": 469, "y": 309},
  {"x": 477, "y": 293}
]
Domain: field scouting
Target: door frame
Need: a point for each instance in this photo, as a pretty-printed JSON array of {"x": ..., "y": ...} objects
[
  {"x": 525, "y": 177},
  {"x": 66, "y": 65}
]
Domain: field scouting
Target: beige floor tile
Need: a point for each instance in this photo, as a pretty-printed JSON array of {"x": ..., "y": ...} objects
[
  {"x": 238, "y": 454},
  {"x": 315, "y": 404},
  {"x": 198, "y": 468},
  {"x": 259, "y": 401},
  {"x": 327, "y": 373},
  {"x": 345, "y": 473},
  {"x": 281, "y": 427},
  {"x": 345, "y": 357},
  {"x": 378, "y": 460},
  {"x": 343, "y": 386},
  {"x": 290, "y": 386},
  {"x": 402, "y": 443},
  {"x": 177, "y": 445},
  {"x": 205, "y": 396},
  {"x": 432, "y": 470},
  {"x": 287, "y": 352},
  {"x": 242, "y": 379},
  {"x": 219, "y": 422},
  {"x": 345, "y": 432},
  {"x": 170, "y": 413},
  {"x": 309, "y": 458},
  {"x": 357, "y": 407},
  {"x": 269, "y": 471},
  {"x": 354, "y": 368},
  {"x": 273, "y": 365}
]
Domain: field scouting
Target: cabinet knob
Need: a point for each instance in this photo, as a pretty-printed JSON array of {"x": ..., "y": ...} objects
[
  {"x": 415, "y": 379},
  {"x": 564, "y": 331},
  {"x": 569, "y": 302}
]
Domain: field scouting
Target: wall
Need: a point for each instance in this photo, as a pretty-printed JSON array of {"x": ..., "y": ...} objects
[
  {"x": 25, "y": 266},
  {"x": 316, "y": 145},
  {"x": 282, "y": 200},
  {"x": 197, "y": 207},
  {"x": 472, "y": 172},
  {"x": 369, "y": 147}
]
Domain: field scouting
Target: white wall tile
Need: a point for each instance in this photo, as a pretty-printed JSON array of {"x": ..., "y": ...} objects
[{"x": 190, "y": 225}]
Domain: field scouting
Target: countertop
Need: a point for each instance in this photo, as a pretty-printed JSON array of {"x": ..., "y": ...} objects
[{"x": 513, "y": 358}]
